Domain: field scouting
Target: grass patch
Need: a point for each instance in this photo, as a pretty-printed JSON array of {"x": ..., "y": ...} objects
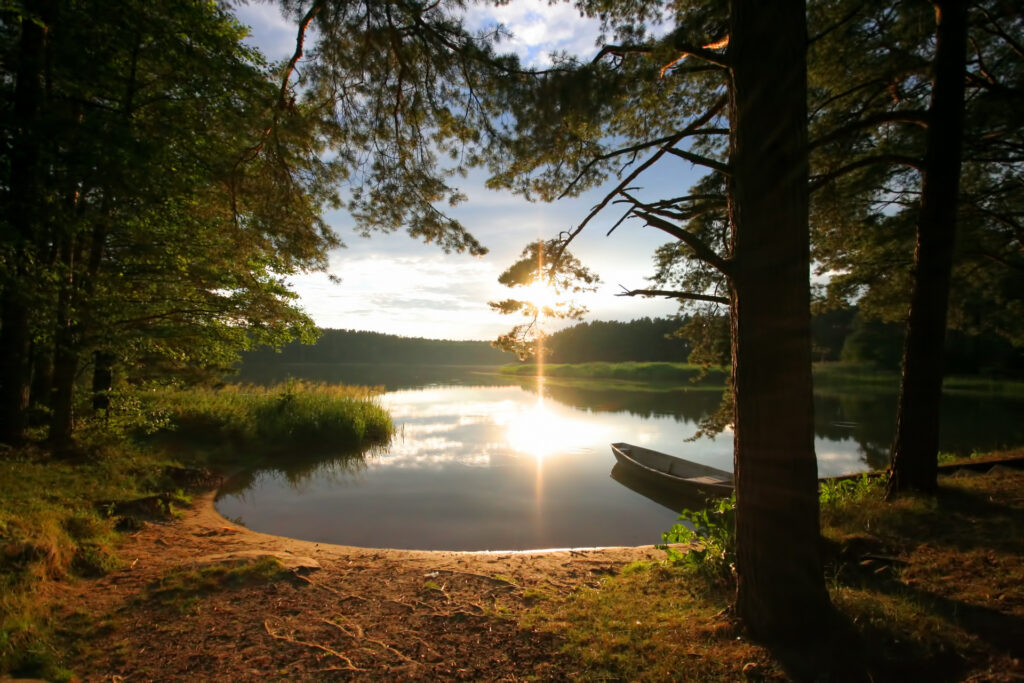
[
  {"x": 52, "y": 528},
  {"x": 60, "y": 519},
  {"x": 847, "y": 376},
  {"x": 926, "y": 589},
  {"x": 652, "y": 622},
  {"x": 182, "y": 589},
  {"x": 628, "y": 371}
]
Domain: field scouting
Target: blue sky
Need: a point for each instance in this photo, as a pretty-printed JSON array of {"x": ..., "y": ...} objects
[{"x": 394, "y": 284}]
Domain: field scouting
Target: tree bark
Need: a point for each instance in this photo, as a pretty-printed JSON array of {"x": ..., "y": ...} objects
[
  {"x": 781, "y": 595},
  {"x": 914, "y": 454},
  {"x": 65, "y": 358},
  {"x": 23, "y": 204}
]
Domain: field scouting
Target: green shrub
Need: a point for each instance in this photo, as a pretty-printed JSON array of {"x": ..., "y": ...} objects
[{"x": 711, "y": 536}]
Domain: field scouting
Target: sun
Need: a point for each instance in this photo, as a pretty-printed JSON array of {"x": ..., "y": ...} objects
[{"x": 541, "y": 295}]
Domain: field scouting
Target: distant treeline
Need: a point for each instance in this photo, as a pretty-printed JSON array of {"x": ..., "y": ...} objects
[
  {"x": 842, "y": 335},
  {"x": 643, "y": 339},
  {"x": 838, "y": 335},
  {"x": 354, "y": 346}
]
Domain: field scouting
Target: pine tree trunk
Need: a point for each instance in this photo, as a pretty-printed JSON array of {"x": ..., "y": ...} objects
[
  {"x": 781, "y": 593},
  {"x": 67, "y": 347},
  {"x": 23, "y": 204},
  {"x": 914, "y": 455}
]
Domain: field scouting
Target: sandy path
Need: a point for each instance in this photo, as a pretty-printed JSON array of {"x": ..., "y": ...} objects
[{"x": 343, "y": 612}]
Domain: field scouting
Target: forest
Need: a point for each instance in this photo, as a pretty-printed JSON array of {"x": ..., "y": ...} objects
[
  {"x": 162, "y": 181},
  {"x": 356, "y": 346}
]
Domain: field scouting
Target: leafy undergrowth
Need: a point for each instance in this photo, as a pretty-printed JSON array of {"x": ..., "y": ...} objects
[{"x": 925, "y": 589}]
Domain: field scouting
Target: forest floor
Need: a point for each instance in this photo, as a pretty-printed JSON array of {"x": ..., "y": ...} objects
[
  {"x": 200, "y": 598},
  {"x": 932, "y": 589}
]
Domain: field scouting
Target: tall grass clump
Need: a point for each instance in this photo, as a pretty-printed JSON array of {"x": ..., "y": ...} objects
[{"x": 260, "y": 419}]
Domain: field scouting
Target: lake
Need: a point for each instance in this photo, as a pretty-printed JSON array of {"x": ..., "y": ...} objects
[{"x": 485, "y": 462}]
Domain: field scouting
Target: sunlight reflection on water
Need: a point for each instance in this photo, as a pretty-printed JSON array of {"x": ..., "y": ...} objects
[{"x": 512, "y": 467}]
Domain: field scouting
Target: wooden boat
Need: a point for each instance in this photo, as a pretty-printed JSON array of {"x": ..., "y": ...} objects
[
  {"x": 665, "y": 469},
  {"x": 667, "y": 494}
]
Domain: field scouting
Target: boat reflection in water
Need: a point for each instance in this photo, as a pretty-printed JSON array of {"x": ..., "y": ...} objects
[{"x": 665, "y": 494}]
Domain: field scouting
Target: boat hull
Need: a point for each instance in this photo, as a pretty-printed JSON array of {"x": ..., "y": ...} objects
[{"x": 672, "y": 472}]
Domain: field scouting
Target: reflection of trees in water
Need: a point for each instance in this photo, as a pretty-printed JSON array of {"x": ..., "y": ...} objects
[
  {"x": 683, "y": 406},
  {"x": 866, "y": 418},
  {"x": 394, "y": 377},
  {"x": 300, "y": 468},
  {"x": 864, "y": 415},
  {"x": 668, "y": 495},
  {"x": 969, "y": 423}
]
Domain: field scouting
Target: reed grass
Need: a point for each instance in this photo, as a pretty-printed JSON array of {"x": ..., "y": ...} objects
[{"x": 264, "y": 420}]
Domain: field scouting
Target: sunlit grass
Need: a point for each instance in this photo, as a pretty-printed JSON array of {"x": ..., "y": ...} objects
[
  {"x": 927, "y": 589},
  {"x": 261, "y": 420},
  {"x": 57, "y": 517}
]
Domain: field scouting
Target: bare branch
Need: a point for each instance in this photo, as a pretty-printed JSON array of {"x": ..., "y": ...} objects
[
  {"x": 694, "y": 125},
  {"x": 915, "y": 117},
  {"x": 701, "y": 53},
  {"x": 620, "y": 51},
  {"x": 668, "y": 139},
  {"x": 300, "y": 39},
  {"x": 701, "y": 250},
  {"x": 819, "y": 181},
  {"x": 663, "y": 209},
  {"x": 835, "y": 26},
  {"x": 701, "y": 160},
  {"x": 669, "y": 294},
  {"x": 999, "y": 31}
]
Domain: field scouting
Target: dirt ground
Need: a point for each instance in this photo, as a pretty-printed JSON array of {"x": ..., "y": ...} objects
[{"x": 341, "y": 613}]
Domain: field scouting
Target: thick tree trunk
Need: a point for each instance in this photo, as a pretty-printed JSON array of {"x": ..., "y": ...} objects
[
  {"x": 914, "y": 455},
  {"x": 65, "y": 358},
  {"x": 781, "y": 593},
  {"x": 23, "y": 203}
]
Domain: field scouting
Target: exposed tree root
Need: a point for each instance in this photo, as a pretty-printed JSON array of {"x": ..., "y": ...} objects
[
  {"x": 349, "y": 666},
  {"x": 360, "y": 634}
]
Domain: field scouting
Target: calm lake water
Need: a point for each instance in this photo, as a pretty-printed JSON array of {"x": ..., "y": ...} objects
[{"x": 487, "y": 463}]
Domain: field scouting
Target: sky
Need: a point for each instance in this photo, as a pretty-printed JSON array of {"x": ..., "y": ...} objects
[{"x": 392, "y": 283}]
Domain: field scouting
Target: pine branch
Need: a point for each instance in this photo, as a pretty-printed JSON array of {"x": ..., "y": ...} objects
[{"x": 669, "y": 294}]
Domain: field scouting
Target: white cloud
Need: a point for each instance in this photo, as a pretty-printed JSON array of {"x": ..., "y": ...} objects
[
  {"x": 273, "y": 34},
  {"x": 392, "y": 283},
  {"x": 539, "y": 28}
]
